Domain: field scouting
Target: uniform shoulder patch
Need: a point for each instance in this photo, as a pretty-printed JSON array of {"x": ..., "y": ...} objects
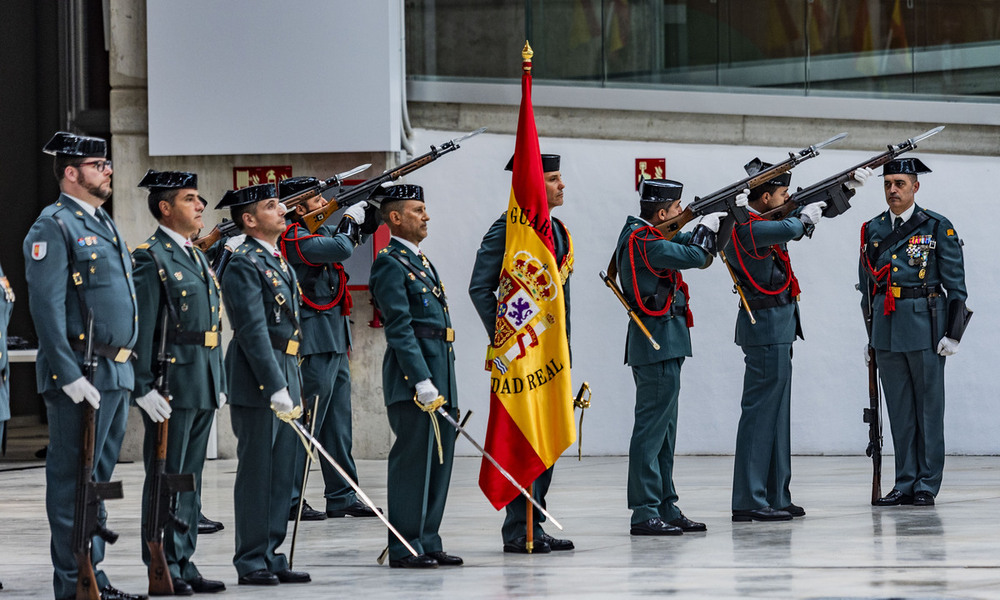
[
  {"x": 39, "y": 250},
  {"x": 950, "y": 232}
]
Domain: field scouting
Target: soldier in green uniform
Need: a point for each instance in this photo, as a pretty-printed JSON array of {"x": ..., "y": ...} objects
[
  {"x": 418, "y": 367},
  {"x": 262, "y": 300},
  {"x": 326, "y": 333},
  {"x": 74, "y": 240},
  {"x": 649, "y": 265},
  {"x": 6, "y": 307},
  {"x": 482, "y": 290},
  {"x": 173, "y": 278},
  {"x": 912, "y": 277}
]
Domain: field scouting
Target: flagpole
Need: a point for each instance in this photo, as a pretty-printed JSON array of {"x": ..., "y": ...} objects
[{"x": 529, "y": 542}]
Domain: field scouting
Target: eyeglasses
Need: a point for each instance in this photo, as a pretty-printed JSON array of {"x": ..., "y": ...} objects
[{"x": 100, "y": 165}]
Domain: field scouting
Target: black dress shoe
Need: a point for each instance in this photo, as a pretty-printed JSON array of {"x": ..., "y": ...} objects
[
  {"x": 112, "y": 593},
  {"x": 761, "y": 514},
  {"x": 308, "y": 513},
  {"x": 181, "y": 588},
  {"x": 894, "y": 498},
  {"x": 556, "y": 544},
  {"x": 358, "y": 509},
  {"x": 655, "y": 526},
  {"x": 795, "y": 510},
  {"x": 422, "y": 561},
  {"x": 206, "y": 525},
  {"x": 290, "y": 576},
  {"x": 520, "y": 546},
  {"x": 687, "y": 524},
  {"x": 200, "y": 585},
  {"x": 923, "y": 499},
  {"x": 446, "y": 560},
  {"x": 259, "y": 577}
]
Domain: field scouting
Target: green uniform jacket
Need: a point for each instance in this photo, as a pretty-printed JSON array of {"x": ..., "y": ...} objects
[
  {"x": 6, "y": 307},
  {"x": 489, "y": 263},
  {"x": 407, "y": 302},
  {"x": 196, "y": 374},
  {"x": 312, "y": 255},
  {"x": 669, "y": 330},
  {"x": 105, "y": 267},
  {"x": 256, "y": 297},
  {"x": 779, "y": 324},
  {"x": 908, "y": 328}
]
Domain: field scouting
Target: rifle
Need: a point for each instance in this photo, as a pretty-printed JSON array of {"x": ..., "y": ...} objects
[
  {"x": 724, "y": 200},
  {"x": 873, "y": 414},
  {"x": 224, "y": 229},
  {"x": 163, "y": 487},
  {"x": 832, "y": 190},
  {"x": 363, "y": 191},
  {"x": 608, "y": 281},
  {"x": 89, "y": 493}
]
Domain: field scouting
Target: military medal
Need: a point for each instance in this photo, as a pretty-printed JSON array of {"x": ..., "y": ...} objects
[
  {"x": 8, "y": 292},
  {"x": 922, "y": 273},
  {"x": 178, "y": 275},
  {"x": 184, "y": 307},
  {"x": 277, "y": 314}
]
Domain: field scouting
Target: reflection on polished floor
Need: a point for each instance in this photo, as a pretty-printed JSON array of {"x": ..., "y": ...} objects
[{"x": 843, "y": 548}]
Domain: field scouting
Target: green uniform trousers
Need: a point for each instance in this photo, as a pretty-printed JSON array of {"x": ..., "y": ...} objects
[
  {"x": 61, "y": 465},
  {"x": 763, "y": 466},
  {"x": 515, "y": 523},
  {"x": 328, "y": 375},
  {"x": 417, "y": 482},
  {"x": 651, "y": 490},
  {"x": 265, "y": 449},
  {"x": 914, "y": 396},
  {"x": 187, "y": 443}
]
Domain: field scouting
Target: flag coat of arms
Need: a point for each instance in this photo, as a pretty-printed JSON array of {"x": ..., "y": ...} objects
[{"x": 531, "y": 407}]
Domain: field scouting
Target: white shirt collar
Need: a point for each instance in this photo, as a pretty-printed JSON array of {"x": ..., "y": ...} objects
[
  {"x": 410, "y": 245},
  {"x": 905, "y": 215},
  {"x": 178, "y": 238},
  {"x": 90, "y": 209}
]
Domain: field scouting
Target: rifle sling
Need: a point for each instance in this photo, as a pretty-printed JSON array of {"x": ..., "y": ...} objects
[
  {"x": 279, "y": 299},
  {"x": 434, "y": 288},
  {"x": 895, "y": 237}
]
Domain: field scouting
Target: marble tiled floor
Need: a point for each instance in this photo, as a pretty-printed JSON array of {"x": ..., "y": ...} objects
[{"x": 843, "y": 548}]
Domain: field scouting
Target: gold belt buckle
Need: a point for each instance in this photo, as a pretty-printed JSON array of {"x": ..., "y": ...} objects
[
  {"x": 292, "y": 348},
  {"x": 894, "y": 290},
  {"x": 211, "y": 339},
  {"x": 123, "y": 355},
  {"x": 449, "y": 334},
  {"x": 280, "y": 299},
  {"x": 77, "y": 280}
]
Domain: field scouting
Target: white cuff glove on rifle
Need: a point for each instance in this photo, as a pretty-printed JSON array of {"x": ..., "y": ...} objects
[
  {"x": 743, "y": 199},
  {"x": 426, "y": 392},
  {"x": 811, "y": 213},
  {"x": 356, "y": 212},
  {"x": 81, "y": 390},
  {"x": 947, "y": 346},
  {"x": 235, "y": 242},
  {"x": 281, "y": 401},
  {"x": 155, "y": 405},
  {"x": 861, "y": 176},
  {"x": 712, "y": 221}
]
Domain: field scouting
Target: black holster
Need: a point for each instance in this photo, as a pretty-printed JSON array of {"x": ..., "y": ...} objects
[{"x": 958, "y": 319}]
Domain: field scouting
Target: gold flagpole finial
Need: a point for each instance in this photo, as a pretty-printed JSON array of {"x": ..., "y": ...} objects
[{"x": 526, "y": 54}]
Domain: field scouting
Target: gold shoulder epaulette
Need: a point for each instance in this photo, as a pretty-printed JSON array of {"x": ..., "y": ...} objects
[{"x": 142, "y": 246}]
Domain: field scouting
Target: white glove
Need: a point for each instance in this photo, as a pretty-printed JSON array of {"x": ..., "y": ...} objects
[
  {"x": 155, "y": 405},
  {"x": 281, "y": 402},
  {"x": 356, "y": 212},
  {"x": 81, "y": 390},
  {"x": 712, "y": 221},
  {"x": 426, "y": 392},
  {"x": 223, "y": 398},
  {"x": 860, "y": 177},
  {"x": 235, "y": 242},
  {"x": 947, "y": 346},
  {"x": 868, "y": 356},
  {"x": 811, "y": 213},
  {"x": 743, "y": 199}
]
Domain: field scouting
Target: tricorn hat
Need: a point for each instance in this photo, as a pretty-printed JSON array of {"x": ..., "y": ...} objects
[
  {"x": 660, "y": 190},
  {"x": 550, "y": 162},
  {"x": 294, "y": 185},
  {"x": 910, "y": 166},
  {"x": 69, "y": 144},
  {"x": 403, "y": 191},
  {"x": 168, "y": 180},
  {"x": 247, "y": 195},
  {"x": 757, "y": 165}
]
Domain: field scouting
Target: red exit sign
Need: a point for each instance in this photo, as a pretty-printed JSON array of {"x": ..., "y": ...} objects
[{"x": 649, "y": 168}]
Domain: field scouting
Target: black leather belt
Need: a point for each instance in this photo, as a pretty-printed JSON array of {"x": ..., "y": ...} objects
[
  {"x": 208, "y": 339},
  {"x": 911, "y": 292},
  {"x": 288, "y": 346},
  {"x": 434, "y": 333},
  {"x": 119, "y": 355},
  {"x": 676, "y": 309},
  {"x": 761, "y": 303}
]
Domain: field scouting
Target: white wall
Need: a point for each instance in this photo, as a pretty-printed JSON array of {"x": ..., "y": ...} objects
[{"x": 467, "y": 190}]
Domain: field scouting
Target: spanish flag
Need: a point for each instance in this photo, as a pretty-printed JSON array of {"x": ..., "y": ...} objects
[{"x": 531, "y": 408}]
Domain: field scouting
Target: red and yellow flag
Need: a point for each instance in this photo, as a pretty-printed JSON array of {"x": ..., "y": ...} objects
[{"x": 531, "y": 408}]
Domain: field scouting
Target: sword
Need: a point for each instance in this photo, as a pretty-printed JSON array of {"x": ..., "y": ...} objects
[
  {"x": 311, "y": 418},
  {"x": 441, "y": 411},
  {"x": 357, "y": 489}
]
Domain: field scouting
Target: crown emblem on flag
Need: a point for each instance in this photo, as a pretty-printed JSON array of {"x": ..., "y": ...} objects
[{"x": 531, "y": 273}]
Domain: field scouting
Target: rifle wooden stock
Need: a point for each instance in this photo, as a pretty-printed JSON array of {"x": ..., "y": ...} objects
[
  {"x": 738, "y": 289},
  {"x": 872, "y": 416},
  {"x": 670, "y": 227},
  {"x": 225, "y": 228}
]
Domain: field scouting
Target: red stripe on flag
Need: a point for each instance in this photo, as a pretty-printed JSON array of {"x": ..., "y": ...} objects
[
  {"x": 527, "y": 178},
  {"x": 510, "y": 448}
]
